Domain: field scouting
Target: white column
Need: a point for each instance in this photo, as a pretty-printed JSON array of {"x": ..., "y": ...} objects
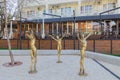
[
  {"x": 36, "y": 28},
  {"x": 57, "y": 28},
  {"x": 43, "y": 26},
  {"x": 67, "y": 28},
  {"x": 11, "y": 33}
]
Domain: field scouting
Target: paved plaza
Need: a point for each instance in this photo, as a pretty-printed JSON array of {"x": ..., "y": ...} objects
[{"x": 48, "y": 69}]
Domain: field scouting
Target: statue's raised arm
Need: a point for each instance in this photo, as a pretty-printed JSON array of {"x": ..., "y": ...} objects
[
  {"x": 27, "y": 34},
  {"x": 63, "y": 35},
  {"x": 31, "y": 31},
  {"x": 53, "y": 37},
  {"x": 88, "y": 35}
]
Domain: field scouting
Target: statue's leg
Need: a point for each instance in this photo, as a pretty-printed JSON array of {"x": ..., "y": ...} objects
[
  {"x": 59, "y": 53},
  {"x": 35, "y": 61},
  {"x": 82, "y": 63},
  {"x": 31, "y": 64}
]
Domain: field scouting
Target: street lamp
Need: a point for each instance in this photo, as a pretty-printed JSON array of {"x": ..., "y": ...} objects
[
  {"x": 74, "y": 27},
  {"x": 20, "y": 30}
]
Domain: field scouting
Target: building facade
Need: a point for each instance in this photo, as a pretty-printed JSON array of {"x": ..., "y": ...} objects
[{"x": 70, "y": 16}]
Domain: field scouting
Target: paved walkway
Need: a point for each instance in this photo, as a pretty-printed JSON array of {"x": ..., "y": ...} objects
[{"x": 48, "y": 69}]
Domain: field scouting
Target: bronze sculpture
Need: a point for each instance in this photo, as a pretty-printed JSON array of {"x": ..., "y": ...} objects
[
  {"x": 59, "y": 45},
  {"x": 82, "y": 37},
  {"x": 33, "y": 51}
]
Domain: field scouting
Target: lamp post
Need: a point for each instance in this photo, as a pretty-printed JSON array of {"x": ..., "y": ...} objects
[
  {"x": 20, "y": 31},
  {"x": 74, "y": 27}
]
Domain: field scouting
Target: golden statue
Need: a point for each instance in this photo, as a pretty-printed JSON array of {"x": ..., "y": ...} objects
[
  {"x": 33, "y": 52},
  {"x": 82, "y": 38},
  {"x": 59, "y": 45}
]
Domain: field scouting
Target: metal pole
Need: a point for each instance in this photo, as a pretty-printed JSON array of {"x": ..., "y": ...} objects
[
  {"x": 101, "y": 24},
  {"x": 20, "y": 31},
  {"x": 74, "y": 28},
  {"x": 64, "y": 43},
  {"x": 78, "y": 45},
  {"x": 50, "y": 43},
  {"x": 94, "y": 45},
  {"x": 28, "y": 43},
  {"x": 39, "y": 44},
  {"x": 111, "y": 46},
  {"x": 17, "y": 43}
]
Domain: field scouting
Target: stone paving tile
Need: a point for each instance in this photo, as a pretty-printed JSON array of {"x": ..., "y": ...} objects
[
  {"x": 48, "y": 69},
  {"x": 113, "y": 68}
]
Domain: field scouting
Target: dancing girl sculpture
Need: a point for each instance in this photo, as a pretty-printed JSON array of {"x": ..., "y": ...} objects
[
  {"x": 82, "y": 37},
  {"x": 33, "y": 52},
  {"x": 59, "y": 45}
]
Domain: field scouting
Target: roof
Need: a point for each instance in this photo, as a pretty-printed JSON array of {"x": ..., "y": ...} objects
[{"x": 79, "y": 18}]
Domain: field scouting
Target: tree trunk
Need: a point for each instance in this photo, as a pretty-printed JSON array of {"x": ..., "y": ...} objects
[{"x": 8, "y": 41}]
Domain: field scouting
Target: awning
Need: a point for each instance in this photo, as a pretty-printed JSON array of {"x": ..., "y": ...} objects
[{"x": 78, "y": 18}]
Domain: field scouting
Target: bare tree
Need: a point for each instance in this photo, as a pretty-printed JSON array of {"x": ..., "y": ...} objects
[
  {"x": 7, "y": 9},
  {"x": 12, "y": 63},
  {"x": 6, "y": 30}
]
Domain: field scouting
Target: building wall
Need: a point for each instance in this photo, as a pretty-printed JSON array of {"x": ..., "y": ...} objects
[{"x": 97, "y": 6}]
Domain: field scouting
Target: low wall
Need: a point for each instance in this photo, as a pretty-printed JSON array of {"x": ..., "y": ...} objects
[{"x": 102, "y": 46}]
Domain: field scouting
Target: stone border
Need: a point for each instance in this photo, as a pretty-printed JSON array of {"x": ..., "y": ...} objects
[
  {"x": 98, "y": 56},
  {"x": 102, "y": 57}
]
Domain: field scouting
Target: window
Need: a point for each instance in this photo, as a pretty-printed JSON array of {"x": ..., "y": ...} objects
[
  {"x": 109, "y": 6},
  {"x": 31, "y": 13},
  {"x": 67, "y": 11},
  {"x": 86, "y": 9},
  {"x": 82, "y": 10}
]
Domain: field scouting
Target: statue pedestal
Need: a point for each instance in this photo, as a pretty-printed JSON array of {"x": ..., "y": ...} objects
[
  {"x": 85, "y": 74},
  {"x": 59, "y": 62}
]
